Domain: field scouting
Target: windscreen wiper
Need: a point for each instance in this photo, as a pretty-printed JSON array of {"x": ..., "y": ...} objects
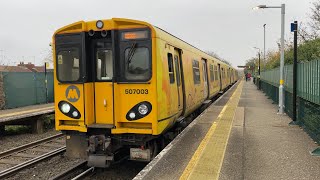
[{"x": 131, "y": 52}]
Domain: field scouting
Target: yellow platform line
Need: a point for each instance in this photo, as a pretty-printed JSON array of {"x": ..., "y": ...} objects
[
  {"x": 207, "y": 161},
  {"x": 25, "y": 112}
]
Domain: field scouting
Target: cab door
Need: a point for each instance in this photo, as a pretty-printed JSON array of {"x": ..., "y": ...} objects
[
  {"x": 103, "y": 84},
  {"x": 177, "y": 63}
]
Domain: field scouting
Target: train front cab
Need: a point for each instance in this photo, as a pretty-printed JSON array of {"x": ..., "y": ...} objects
[{"x": 105, "y": 87}]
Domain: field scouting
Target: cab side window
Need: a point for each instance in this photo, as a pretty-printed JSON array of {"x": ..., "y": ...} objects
[{"x": 170, "y": 68}]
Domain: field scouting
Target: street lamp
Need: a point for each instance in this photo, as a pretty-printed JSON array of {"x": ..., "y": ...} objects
[
  {"x": 259, "y": 54},
  {"x": 281, "y": 88},
  {"x": 264, "y": 46}
]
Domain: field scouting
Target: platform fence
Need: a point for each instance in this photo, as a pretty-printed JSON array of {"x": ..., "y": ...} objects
[
  {"x": 308, "y": 92},
  {"x": 18, "y": 89}
]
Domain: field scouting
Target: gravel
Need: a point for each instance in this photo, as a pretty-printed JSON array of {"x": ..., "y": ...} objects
[
  {"x": 122, "y": 171},
  {"x": 46, "y": 169},
  {"x": 54, "y": 166},
  {"x": 12, "y": 141}
]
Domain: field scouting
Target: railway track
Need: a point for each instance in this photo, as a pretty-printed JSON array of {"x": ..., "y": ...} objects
[
  {"x": 78, "y": 171},
  {"x": 16, "y": 159}
]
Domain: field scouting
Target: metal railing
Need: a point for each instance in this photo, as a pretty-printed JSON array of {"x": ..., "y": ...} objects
[{"x": 308, "y": 91}]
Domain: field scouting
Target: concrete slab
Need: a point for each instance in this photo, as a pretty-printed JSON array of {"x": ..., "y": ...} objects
[
  {"x": 171, "y": 162},
  {"x": 261, "y": 144},
  {"x": 25, "y": 112},
  {"x": 266, "y": 147}
]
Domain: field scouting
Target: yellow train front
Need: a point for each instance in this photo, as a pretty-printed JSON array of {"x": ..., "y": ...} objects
[{"x": 120, "y": 84}]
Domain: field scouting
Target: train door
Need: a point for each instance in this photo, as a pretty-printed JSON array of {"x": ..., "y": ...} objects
[
  {"x": 232, "y": 78},
  {"x": 229, "y": 76},
  {"x": 103, "y": 84},
  {"x": 205, "y": 79},
  {"x": 220, "y": 79},
  {"x": 177, "y": 59}
]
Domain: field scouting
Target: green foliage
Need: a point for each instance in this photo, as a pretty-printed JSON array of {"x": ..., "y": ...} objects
[
  {"x": 307, "y": 51},
  {"x": 309, "y": 47}
]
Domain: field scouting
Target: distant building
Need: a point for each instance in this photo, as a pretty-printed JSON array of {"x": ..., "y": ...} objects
[
  {"x": 22, "y": 67},
  {"x": 14, "y": 69}
]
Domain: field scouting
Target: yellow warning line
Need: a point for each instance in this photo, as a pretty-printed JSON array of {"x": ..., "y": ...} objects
[
  {"x": 25, "y": 112},
  {"x": 207, "y": 161}
]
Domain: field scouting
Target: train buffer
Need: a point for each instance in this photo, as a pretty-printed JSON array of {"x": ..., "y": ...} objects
[
  {"x": 240, "y": 136},
  {"x": 29, "y": 115}
]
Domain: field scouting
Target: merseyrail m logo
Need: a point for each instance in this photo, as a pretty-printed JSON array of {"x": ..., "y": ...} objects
[{"x": 73, "y": 93}]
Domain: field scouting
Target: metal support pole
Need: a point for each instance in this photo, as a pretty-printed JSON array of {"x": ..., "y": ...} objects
[
  {"x": 259, "y": 63},
  {"x": 281, "y": 87},
  {"x": 46, "y": 81},
  {"x": 264, "y": 46},
  {"x": 295, "y": 61},
  {"x": 258, "y": 79}
]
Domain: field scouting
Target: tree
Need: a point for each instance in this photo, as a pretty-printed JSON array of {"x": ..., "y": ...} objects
[
  {"x": 48, "y": 56},
  {"x": 215, "y": 55},
  {"x": 311, "y": 30}
]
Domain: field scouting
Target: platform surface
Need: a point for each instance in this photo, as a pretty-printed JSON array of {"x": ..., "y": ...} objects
[
  {"x": 241, "y": 136},
  {"x": 24, "y": 112}
]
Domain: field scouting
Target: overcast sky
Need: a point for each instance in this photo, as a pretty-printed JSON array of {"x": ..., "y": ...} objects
[{"x": 228, "y": 27}]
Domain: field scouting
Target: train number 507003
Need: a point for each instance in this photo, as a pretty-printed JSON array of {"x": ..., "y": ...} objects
[{"x": 136, "y": 91}]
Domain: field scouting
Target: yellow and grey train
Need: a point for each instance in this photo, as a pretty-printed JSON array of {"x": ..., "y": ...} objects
[{"x": 121, "y": 84}]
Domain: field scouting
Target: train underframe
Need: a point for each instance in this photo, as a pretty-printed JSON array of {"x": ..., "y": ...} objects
[{"x": 101, "y": 148}]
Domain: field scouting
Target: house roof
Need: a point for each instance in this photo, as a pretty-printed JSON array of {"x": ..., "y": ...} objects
[{"x": 14, "y": 69}]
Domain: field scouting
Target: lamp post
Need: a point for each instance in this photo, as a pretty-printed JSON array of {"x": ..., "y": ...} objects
[
  {"x": 281, "y": 88},
  {"x": 264, "y": 46},
  {"x": 259, "y": 55},
  {"x": 259, "y": 67}
]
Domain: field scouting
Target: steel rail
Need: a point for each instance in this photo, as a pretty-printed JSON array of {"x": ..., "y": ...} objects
[
  {"x": 70, "y": 171},
  {"x": 80, "y": 176},
  {"x": 14, "y": 169},
  {"x": 29, "y": 145}
]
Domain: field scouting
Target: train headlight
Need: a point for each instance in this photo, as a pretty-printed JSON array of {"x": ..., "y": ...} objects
[
  {"x": 132, "y": 115},
  {"x": 75, "y": 113},
  {"x": 143, "y": 109},
  {"x": 139, "y": 111},
  {"x": 65, "y": 108},
  {"x": 99, "y": 24}
]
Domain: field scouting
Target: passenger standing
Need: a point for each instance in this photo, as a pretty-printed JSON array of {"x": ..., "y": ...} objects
[{"x": 246, "y": 76}]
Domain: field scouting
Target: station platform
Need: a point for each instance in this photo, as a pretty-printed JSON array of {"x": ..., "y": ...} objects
[
  {"x": 240, "y": 136},
  {"x": 9, "y": 115}
]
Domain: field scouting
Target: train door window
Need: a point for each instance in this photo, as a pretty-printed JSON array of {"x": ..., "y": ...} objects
[
  {"x": 177, "y": 69},
  {"x": 196, "y": 72},
  {"x": 104, "y": 64},
  {"x": 216, "y": 72},
  {"x": 211, "y": 73},
  {"x": 170, "y": 67}
]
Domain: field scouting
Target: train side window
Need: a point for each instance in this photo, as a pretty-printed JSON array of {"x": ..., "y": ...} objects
[
  {"x": 216, "y": 72},
  {"x": 211, "y": 73},
  {"x": 177, "y": 69},
  {"x": 222, "y": 73},
  {"x": 170, "y": 67},
  {"x": 196, "y": 71}
]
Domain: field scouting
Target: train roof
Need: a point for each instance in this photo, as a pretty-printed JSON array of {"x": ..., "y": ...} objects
[{"x": 122, "y": 23}]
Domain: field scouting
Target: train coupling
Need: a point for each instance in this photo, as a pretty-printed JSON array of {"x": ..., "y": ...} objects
[{"x": 98, "y": 154}]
